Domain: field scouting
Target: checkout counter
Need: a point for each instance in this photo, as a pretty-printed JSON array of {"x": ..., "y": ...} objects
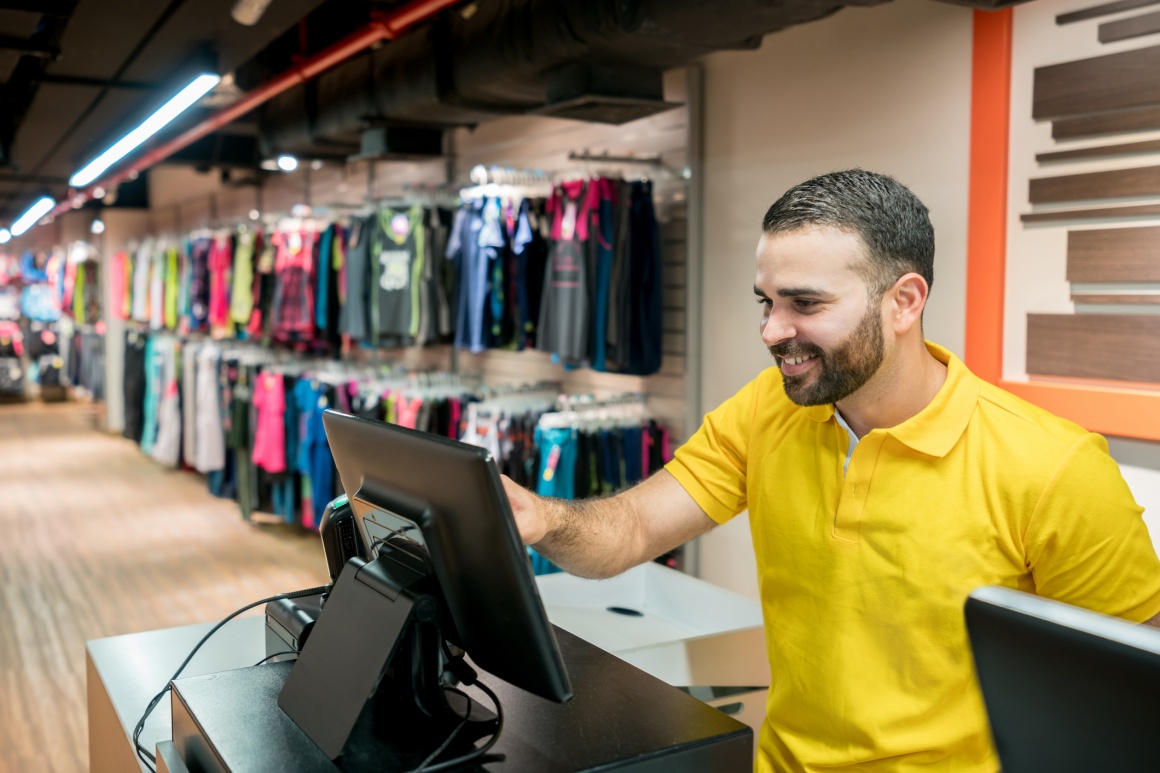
[{"x": 670, "y": 673}]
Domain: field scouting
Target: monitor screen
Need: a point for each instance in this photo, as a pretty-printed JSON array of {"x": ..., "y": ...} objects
[
  {"x": 1066, "y": 689},
  {"x": 458, "y": 526}
]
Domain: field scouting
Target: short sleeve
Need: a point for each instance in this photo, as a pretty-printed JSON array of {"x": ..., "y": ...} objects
[
  {"x": 1087, "y": 543},
  {"x": 712, "y": 465}
]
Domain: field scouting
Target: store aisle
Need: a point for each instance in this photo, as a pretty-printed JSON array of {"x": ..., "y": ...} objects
[{"x": 96, "y": 540}]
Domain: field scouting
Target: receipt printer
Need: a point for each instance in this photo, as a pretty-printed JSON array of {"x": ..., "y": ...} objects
[{"x": 289, "y": 621}]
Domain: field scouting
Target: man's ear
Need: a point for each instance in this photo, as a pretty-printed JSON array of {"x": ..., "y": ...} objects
[{"x": 906, "y": 300}]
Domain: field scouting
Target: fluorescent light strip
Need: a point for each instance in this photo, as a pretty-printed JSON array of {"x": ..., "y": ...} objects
[
  {"x": 185, "y": 99},
  {"x": 32, "y": 215}
]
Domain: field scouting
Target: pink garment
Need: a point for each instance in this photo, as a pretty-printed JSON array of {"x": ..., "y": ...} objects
[
  {"x": 10, "y": 335},
  {"x": 270, "y": 437},
  {"x": 407, "y": 412},
  {"x": 118, "y": 278},
  {"x": 221, "y": 262},
  {"x": 453, "y": 431},
  {"x": 574, "y": 194}
]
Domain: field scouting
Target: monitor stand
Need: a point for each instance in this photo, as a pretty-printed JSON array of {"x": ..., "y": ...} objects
[{"x": 378, "y": 647}]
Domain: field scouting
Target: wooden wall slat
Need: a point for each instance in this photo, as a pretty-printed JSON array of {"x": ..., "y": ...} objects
[
  {"x": 1133, "y": 120},
  {"x": 1117, "y": 347},
  {"x": 1112, "y": 184},
  {"x": 1114, "y": 255},
  {"x": 1110, "y": 82},
  {"x": 1126, "y": 29},
  {"x": 1135, "y": 299},
  {"x": 1103, "y": 151},
  {"x": 1100, "y": 213},
  {"x": 1104, "y": 9}
]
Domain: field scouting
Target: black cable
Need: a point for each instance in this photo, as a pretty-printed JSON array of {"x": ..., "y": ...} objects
[
  {"x": 142, "y": 753},
  {"x": 276, "y": 655},
  {"x": 474, "y": 754},
  {"x": 443, "y": 746}
]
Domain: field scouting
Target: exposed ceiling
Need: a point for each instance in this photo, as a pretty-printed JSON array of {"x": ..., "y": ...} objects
[{"x": 76, "y": 74}]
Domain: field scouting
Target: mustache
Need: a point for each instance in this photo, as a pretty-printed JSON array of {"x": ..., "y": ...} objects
[{"x": 791, "y": 349}]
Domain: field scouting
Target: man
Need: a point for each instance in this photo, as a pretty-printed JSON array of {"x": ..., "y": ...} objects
[{"x": 884, "y": 482}]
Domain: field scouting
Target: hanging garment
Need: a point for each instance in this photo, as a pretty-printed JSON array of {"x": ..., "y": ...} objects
[
  {"x": 647, "y": 289},
  {"x": 242, "y": 287},
  {"x": 133, "y": 385},
  {"x": 293, "y": 306},
  {"x": 558, "y": 449},
  {"x": 354, "y": 319},
  {"x": 167, "y": 443},
  {"x": 189, "y": 403},
  {"x": 157, "y": 269},
  {"x": 397, "y": 247},
  {"x": 11, "y": 377},
  {"x": 210, "y": 436},
  {"x": 221, "y": 263},
  {"x": 270, "y": 439},
  {"x": 199, "y": 285},
  {"x": 142, "y": 265},
  {"x": 472, "y": 247},
  {"x": 9, "y": 303},
  {"x": 531, "y": 249},
  {"x": 563, "y": 325}
]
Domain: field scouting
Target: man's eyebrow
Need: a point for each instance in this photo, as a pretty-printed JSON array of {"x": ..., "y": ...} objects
[{"x": 793, "y": 292}]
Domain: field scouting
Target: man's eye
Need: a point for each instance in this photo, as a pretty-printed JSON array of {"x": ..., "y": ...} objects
[
  {"x": 764, "y": 302},
  {"x": 803, "y": 303}
]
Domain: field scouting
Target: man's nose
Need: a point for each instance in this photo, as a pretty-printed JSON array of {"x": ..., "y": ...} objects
[{"x": 776, "y": 327}]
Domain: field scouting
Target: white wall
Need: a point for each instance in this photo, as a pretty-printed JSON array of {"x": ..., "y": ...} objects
[{"x": 884, "y": 88}]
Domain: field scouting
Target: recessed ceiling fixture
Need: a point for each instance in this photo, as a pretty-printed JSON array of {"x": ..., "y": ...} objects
[
  {"x": 98, "y": 227},
  {"x": 248, "y": 12},
  {"x": 184, "y": 99},
  {"x": 5, "y": 236},
  {"x": 287, "y": 163},
  {"x": 32, "y": 215}
]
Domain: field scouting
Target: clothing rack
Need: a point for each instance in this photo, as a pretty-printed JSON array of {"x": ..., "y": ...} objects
[
  {"x": 656, "y": 161},
  {"x": 586, "y": 411}
]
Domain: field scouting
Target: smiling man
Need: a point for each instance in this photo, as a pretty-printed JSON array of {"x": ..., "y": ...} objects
[{"x": 884, "y": 482}]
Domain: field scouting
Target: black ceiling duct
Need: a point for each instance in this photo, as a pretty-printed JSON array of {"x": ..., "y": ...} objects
[
  {"x": 604, "y": 93},
  {"x": 597, "y": 60}
]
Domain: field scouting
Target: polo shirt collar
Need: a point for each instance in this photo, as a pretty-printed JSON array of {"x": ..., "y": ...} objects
[{"x": 936, "y": 428}]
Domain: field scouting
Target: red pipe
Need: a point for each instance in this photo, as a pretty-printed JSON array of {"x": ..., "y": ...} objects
[{"x": 385, "y": 26}]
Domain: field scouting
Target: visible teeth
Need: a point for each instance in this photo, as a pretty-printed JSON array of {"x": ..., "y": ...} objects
[{"x": 797, "y": 360}]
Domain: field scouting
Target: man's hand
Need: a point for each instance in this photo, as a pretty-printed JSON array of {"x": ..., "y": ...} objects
[
  {"x": 603, "y": 536},
  {"x": 529, "y": 511}
]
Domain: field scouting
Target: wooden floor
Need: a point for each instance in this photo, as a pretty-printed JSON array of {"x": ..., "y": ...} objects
[{"x": 97, "y": 540}]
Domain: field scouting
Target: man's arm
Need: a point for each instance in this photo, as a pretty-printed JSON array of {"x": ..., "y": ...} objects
[
  {"x": 1153, "y": 621},
  {"x": 603, "y": 537}
]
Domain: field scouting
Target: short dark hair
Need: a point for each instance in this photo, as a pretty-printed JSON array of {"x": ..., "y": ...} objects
[{"x": 893, "y": 224}]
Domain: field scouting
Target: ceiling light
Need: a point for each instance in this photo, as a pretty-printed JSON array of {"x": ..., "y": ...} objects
[
  {"x": 255, "y": 214},
  {"x": 287, "y": 163},
  {"x": 316, "y": 164},
  {"x": 5, "y": 236},
  {"x": 248, "y": 12},
  {"x": 98, "y": 192},
  {"x": 184, "y": 99},
  {"x": 39, "y": 209},
  {"x": 98, "y": 227}
]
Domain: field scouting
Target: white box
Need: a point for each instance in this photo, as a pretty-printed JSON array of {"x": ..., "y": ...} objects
[{"x": 675, "y": 634}]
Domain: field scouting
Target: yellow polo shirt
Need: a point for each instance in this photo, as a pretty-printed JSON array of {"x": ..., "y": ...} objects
[{"x": 863, "y": 576}]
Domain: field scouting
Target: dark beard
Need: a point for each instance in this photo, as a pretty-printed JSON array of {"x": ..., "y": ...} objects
[{"x": 844, "y": 370}]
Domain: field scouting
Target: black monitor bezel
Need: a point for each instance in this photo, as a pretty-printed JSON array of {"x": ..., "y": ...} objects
[{"x": 522, "y": 649}]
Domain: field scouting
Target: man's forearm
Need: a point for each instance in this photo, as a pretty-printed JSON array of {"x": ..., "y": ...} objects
[{"x": 593, "y": 538}]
